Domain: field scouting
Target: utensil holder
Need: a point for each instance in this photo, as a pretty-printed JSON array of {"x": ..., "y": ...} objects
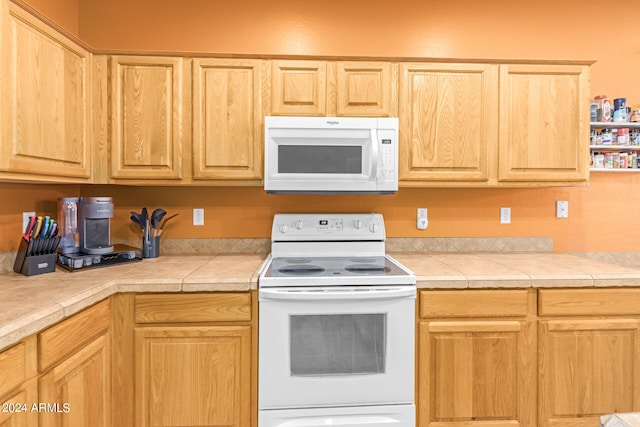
[
  {"x": 152, "y": 247},
  {"x": 37, "y": 256}
]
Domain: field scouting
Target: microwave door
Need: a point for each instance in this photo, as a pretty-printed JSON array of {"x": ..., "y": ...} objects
[{"x": 323, "y": 160}]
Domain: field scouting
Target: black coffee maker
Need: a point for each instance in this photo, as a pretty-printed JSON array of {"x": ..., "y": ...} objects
[{"x": 94, "y": 223}]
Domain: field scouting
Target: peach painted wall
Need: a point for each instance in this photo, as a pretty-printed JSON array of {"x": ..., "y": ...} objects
[
  {"x": 602, "y": 216},
  {"x": 524, "y": 29},
  {"x": 65, "y": 13},
  {"x": 18, "y": 198}
]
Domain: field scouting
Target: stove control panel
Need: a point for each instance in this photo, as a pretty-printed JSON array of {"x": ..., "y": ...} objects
[{"x": 300, "y": 227}]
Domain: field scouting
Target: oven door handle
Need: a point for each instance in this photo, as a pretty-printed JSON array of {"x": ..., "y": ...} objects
[
  {"x": 338, "y": 293},
  {"x": 344, "y": 420}
]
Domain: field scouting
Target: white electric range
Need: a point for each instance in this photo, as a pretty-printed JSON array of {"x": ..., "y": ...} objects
[{"x": 336, "y": 325}]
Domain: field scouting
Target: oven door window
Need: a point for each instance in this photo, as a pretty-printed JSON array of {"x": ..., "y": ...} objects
[{"x": 337, "y": 344}]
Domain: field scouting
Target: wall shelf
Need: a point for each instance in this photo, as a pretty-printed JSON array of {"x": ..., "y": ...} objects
[
  {"x": 615, "y": 125},
  {"x": 615, "y": 147},
  {"x": 618, "y": 170}
]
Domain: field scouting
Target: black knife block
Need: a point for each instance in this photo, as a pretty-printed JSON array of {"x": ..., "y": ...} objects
[{"x": 30, "y": 265}]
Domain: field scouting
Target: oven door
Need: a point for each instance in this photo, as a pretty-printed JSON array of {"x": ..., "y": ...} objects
[{"x": 336, "y": 346}]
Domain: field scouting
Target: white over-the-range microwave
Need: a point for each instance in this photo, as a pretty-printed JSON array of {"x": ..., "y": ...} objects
[{"x": 331, "y": 155}]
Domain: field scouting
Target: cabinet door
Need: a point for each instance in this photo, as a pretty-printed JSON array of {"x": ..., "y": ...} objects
[
  {"x": 147, "y": 113},
  {"x": 477, "y": 372},
  {"x": 588, "y": 368},
  {"x": 16, "y": 408},
  {"x": 298, "y": 88},
  {"x": 46, "y": 113},
  {"x": 544, "y": 123},
  {"x": 448, "y": 120},
  {"x": 80, "y": 388},
  {"x": 364, "y": 89},
  {"x": 193, "y": 376},
  {"x": 227, "y": 119}
]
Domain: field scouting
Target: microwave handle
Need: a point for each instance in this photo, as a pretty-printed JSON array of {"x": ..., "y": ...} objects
[{"x": 374, "y": 154}]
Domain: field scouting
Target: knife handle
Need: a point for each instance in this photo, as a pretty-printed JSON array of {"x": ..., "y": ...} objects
[{"x": 36, "y": 228}]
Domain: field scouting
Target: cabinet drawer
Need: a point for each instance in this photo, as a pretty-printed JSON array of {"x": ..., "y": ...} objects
[
  {"x": 68, "y": 336},
  {"x": 177, "y": 308},
  {"x": 588, "y": 302},
  {"x": 474, "y": 303},
  {"x": 17, "y": 364}
]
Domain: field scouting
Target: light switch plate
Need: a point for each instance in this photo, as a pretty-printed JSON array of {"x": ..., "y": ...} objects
[{"x": 562, "y": 209}]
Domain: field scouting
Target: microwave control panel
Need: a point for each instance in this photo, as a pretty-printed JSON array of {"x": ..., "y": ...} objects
[{"x": 387, "y": 154}]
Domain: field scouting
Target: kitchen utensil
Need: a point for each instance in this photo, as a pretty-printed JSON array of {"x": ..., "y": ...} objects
[
  {"x": 27, "y": 231},
  {"x": 36, "y": 228},
  {"x": 45, "y": 227},
  {"x": 156, "y": 216},
  {"x": 165, "y": 223},
  {"x": 137, "y": 218},
  {"x": 54, "y": 230}
]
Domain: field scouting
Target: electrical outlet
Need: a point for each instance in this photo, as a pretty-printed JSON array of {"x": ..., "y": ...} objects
[
  {"x": 505, "y": 215},
  {"x": 25, "y": 219},
  {"x": 198, "y": 216},
  {"x": 422, "y": 221},
  {"x": 562, "y": 209}
]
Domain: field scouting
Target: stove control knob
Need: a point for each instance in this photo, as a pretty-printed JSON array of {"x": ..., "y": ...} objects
[
  {"x": 374, "y": 228},
  {"x": 299, "y": 224},
  {"x": 284, "y": 228},
  {"x": 357, "y": 224}
]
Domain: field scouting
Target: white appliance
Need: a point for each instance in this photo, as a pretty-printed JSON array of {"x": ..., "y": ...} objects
[
  {"x": 331, "y": 155},
  {"x": 336, "y": 325}
]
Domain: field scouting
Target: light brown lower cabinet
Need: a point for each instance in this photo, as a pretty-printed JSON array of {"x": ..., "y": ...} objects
[
  {"x": 589, "y": 355},
  {"x": 185, "y": 360},
  {"x": 78, "y": 389},
  {"x": 193, "y": 376},
  {"x": 74, "y": 357},
  {"x": 485, "y": 358},
  {"x": 16, "y": 406},
  {"x": 476, "y": 359}
]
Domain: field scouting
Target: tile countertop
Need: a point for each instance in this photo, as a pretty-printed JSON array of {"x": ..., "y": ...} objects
[{"x": 30, "y": 304}]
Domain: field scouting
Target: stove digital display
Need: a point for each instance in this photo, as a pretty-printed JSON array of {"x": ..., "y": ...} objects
[{"x": 332, "y": 224}]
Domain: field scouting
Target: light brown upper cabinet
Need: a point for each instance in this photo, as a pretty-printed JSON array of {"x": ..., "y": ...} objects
[
  {"x": 488, "y": 125},
  {"x": 46, "y": 101},
  {"x": 365, "y": 89},
  {"x": 544, "y": 123},
  {"x": 298, "y": 88},
  {"x": 147, "y": 103},
  {"x": 227, "y": 119},
  {"x": 448, "y": 123},
  {"x": 328, "y": 88}
]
